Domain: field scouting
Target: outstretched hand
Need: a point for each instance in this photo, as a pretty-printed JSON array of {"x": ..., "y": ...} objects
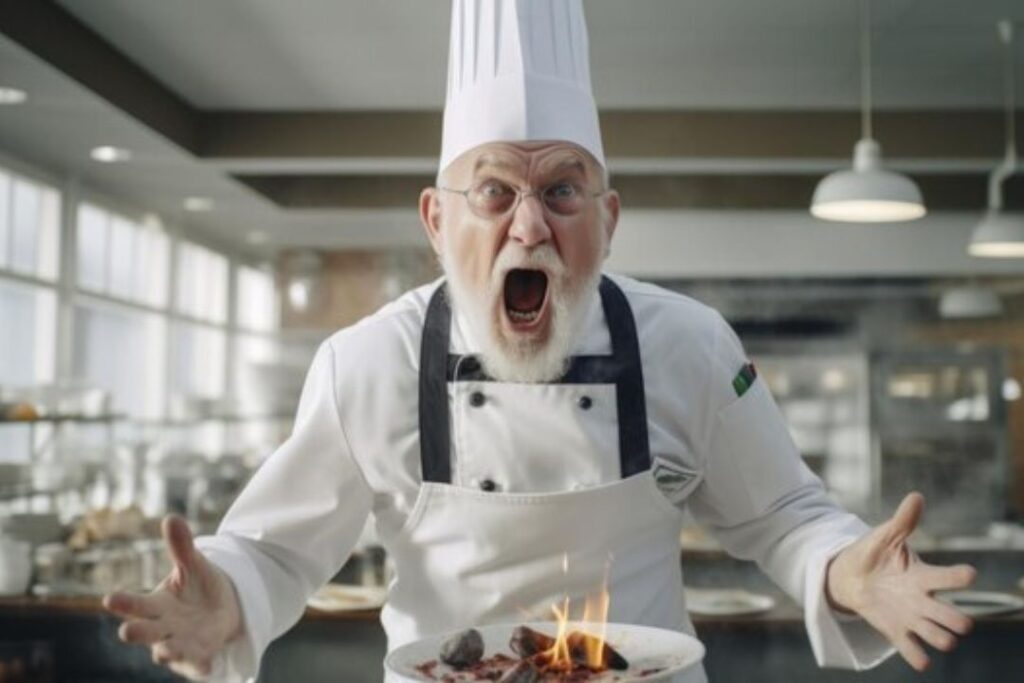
[
  {"x": 187, "y": 619},
  {"x": 879, "y": 578}
]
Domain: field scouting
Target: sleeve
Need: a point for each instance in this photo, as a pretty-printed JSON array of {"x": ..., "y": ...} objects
[
  {"x": 293, "y": 525},
  {"x": 762, "y": 503}
]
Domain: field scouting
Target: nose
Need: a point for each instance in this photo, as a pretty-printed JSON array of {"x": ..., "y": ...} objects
[{"x": 529, "y": 223}]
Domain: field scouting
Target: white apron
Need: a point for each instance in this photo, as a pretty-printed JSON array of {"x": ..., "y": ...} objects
[{"x": 469, "y": 557}]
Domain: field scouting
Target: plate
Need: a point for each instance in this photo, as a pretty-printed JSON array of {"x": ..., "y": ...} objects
[
  {"x": 340, "y": 597},
  {"x": 654, "y": 654},
  {"x": 983, "y": 603},
  {"x": 727, "y": 602}
]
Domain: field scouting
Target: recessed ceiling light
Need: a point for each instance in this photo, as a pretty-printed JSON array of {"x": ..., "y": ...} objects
[
  {"x": 109, "y": 155},
  {"x": 12, "y": 96},
  {"x": 198, "y": 204}
]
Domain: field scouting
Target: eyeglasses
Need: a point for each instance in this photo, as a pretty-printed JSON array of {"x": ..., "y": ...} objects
[{"x": 493, "y": 199}]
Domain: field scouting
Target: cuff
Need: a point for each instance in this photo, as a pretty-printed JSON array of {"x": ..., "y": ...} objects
[
  {"x": 839, "y": 640},
  {"x": 239, "y": 661}
]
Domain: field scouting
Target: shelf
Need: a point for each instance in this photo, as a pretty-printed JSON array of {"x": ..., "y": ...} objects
[
  {"x": 51, "y": 419},
  {"x": 187, "y": 422}
]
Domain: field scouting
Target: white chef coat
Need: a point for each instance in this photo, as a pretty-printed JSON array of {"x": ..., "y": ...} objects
[{"x": 355, "y": 452}]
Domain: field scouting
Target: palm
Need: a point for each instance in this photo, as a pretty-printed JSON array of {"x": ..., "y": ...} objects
[
  {"x": 883, "y": 581},
  {"x": 189, "y": 617}
]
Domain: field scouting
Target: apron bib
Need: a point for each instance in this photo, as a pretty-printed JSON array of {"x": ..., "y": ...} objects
[{"x": 469, "y": 557}]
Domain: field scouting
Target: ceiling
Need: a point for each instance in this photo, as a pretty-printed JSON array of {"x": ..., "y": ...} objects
[{"x": 314, "y": 122}]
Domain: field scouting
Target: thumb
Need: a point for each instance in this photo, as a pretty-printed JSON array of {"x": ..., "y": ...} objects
[
  {"x": 905, "y": 519},
  {"x": 178, "y": 539}
]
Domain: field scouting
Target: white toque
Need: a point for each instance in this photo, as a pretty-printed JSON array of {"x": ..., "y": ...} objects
[{"x": 518, "y": 71}]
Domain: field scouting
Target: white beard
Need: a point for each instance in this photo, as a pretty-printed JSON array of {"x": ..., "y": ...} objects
[{"x": 523, "y": 359}]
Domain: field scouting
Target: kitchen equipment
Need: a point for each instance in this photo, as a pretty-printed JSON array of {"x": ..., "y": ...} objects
[
  {"x": 983, "y": 603},
  {"x": 15, "y": 566},
  {"x": 34, "y": 528},
  {"x": 339, "y": 597},
  {"x": 654, "y": 654},
  {"x": 727, "y": 602}
]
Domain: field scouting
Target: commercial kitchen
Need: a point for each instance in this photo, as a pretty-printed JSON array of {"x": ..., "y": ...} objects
[{"x": 714, "y": 372}]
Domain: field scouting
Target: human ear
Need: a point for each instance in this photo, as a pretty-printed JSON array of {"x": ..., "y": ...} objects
[{"x": 430, "y": 217}]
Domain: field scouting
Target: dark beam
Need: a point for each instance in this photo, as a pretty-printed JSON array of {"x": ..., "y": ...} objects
[
  {"x": 945, "y": 192},
  {"x": 56, "y": 36},
  {"x": 656, "y": 135}
]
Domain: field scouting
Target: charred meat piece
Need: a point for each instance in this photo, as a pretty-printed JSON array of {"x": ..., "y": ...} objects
[
  {"x": 523, "y": 672},
  {"x": 463, "y": 649},
  {"x": 580, "y": 643},
  {"x": 526, "y": 642}
]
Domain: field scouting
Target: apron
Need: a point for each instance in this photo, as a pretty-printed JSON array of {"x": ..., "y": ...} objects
[{"x": 470, "y": 557}]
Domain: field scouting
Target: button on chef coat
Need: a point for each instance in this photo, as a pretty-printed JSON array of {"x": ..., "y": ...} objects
[{"x": 355, "y": 451}]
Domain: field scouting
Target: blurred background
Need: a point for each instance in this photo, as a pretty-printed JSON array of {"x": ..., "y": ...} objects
[{"x": 193, "y": 195}]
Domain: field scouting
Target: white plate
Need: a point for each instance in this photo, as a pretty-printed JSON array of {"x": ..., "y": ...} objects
[
  {"x": 983, "y": 603},
  {"x": 340, "y": 597},
  {"x": 644, "y": 647},
  {"x": 727, "y": 602}
]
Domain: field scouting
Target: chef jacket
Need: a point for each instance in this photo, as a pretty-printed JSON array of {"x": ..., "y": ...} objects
[{"x": 718, "y": 449}]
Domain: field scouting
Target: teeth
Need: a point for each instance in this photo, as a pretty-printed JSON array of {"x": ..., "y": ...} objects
[{"x": 520, "y": 317}]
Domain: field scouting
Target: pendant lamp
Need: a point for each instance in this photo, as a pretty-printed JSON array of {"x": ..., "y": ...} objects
[
  {"x": 867, "y": 193},
  {"x": 1001, "y": 234},
  {"x": 969, "y": 301}
]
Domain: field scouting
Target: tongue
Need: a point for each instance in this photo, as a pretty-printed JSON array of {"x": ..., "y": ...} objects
[{"x": 524, "y": 290}]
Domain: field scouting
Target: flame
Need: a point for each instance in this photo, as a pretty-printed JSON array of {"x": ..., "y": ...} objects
[{"x": 559, "y": 657}]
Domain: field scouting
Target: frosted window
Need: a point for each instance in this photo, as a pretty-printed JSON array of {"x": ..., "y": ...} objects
[
  {"x": 5, "y": 219},
  {"x": 202, "y": 277},
  {"x": 257, "y": 300},
  {"x": 92, "y": 248},
  {"x": 197, "y": 361},
  {"x": 24, "y": 227},
  {"x": 124, "y": 352},
  {"x": 28, "y": 315}
]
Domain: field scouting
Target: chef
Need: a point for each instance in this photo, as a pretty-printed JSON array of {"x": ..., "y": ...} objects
[{"x": 528, "y": 425}]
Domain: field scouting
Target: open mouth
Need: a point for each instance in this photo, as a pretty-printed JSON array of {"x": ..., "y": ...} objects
[{"x": 526, "y": 293}]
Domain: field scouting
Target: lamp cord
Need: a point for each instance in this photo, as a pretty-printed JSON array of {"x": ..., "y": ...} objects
[
  {"x": 865, "y": 68},
  {"x": 1009, "y": 165}
]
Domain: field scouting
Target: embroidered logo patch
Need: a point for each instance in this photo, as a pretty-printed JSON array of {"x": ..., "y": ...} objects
[
  {"x": 743, "y": 380},
  {"x": 674, "y": 480}
]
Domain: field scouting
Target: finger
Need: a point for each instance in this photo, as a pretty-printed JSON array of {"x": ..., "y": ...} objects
[
  {"x": 905, "y": 519},
  {"x": 143, "y": 632},
  {"x": 164, "y": 653},
  {"x": 947, "y": 578},
  {"x": 948, "y": 617},
  {"x": 193, "y": 672},
  {"x": 133, "y": 605},
  {"x": 912, "y": 651},
  {"x": 178, "y": 538},
  {"x": 935, "y": 635}
]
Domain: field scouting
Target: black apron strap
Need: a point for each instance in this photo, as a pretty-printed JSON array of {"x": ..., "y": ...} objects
[
  {"x": 435, "y": 452},
  {"x": 623, "y": 368},
  {"x": 634, "y": 449}
]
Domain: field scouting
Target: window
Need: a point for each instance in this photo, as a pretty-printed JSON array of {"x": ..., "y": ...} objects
[
  {"x": 122, "y": 258},
  {"x": 198, "y": 355},
  {"x": 202, "y": 277},
  {"x": 257, "y": 308},
  {"x": 29, "y": 227},
  {"x": 123, "y": 351},
  {"x": 28, "y": 349}
]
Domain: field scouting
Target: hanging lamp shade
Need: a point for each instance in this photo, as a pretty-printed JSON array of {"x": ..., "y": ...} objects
[
  {"x": 1000, "y": 234},
  {"x": 867, "y": 193},
  {"x": 970, "y": 301}
]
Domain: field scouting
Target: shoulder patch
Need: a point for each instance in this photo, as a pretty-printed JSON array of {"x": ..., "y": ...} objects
[{"x": 745, "y": 378}]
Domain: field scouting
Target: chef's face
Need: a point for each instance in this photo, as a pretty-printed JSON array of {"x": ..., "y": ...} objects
[{"x": 522, "y": 270}]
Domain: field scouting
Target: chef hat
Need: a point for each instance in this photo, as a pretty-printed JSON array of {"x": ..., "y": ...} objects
[{"x": 518, "y": 71}]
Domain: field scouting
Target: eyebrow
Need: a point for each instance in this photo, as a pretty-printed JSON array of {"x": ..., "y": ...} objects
[{"x": 490, "y": 160}]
